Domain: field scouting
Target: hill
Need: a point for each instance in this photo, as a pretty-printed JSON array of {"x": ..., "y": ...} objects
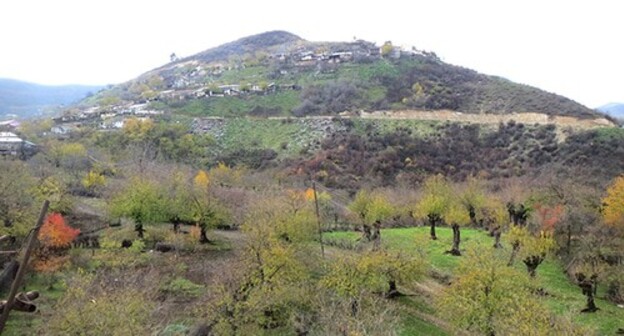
[
  {"x": 280, "y": 74},
  {"x": 28, "y": 99},
  {"x": 615, "y": 110}
]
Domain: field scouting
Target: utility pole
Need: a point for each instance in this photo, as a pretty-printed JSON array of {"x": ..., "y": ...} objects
[
  {"x": 318, "y": 220},
  {"x": 23, "y": 265}
]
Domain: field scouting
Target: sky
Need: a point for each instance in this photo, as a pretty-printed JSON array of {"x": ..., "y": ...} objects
[{"x": 573, "y": 48}]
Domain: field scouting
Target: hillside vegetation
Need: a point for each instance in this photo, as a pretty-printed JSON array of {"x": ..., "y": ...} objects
[
  {"x": 280, "y": 74},
  {"x": 275, "y": 186}
]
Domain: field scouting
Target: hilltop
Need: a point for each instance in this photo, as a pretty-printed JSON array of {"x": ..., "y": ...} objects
[
  {"x": 25, "y": 99},
  {"x": 280, "y": 74}
]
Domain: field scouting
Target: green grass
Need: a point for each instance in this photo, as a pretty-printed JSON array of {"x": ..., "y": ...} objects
[
  {"x": 234, "y": 106},
  {"x": 50, "y": 288},
  {"x": 267, "y": 133},
  {"x": 419, "y": 128},
  {"x": 564, "y": 296}
]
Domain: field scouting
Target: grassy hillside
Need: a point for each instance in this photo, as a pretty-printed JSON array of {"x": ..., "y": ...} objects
[{"x": 277, "y": 73}]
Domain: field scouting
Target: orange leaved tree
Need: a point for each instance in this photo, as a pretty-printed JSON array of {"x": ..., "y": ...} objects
[{"x": 55, "y": 233}]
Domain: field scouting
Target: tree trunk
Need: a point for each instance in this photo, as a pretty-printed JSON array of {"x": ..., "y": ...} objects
[
  {"x": 532, "y": 263},
  {"x": 392, "y": 289},
  {"x": 138, "y": 227},
  {"x": 588, "y": 287},
  {"x": 376, "y": 235},
  {"x": 514, "y": 251},
  {"x": 366, "y": 233},
  {"x": 497, "y": 237},
  {"x": 569, "y": 239},
  {"x": 203, "y": 238},
  {"x": 456, "y": 240},
  {"x": 432, "y": 223}
]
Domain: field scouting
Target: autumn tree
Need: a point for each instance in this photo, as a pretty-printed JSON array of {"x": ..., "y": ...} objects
[
  {"x": 374, "y": 271},
  {"x": 434, "y": 202},
  {"x": 142, "y": 201},
  {"x": 55, "y": 190},
  {"x": 93, "y": 181},
  {"x": 489, "y": 298},
  {"x": 493, "y": 215},
  {"x": 207, "y": 211},
  {"x": 16, "y": 200},
  {"x": 272, "y": 279},
  {"x": 71, "y": 156},
  {"x": 55, "y": 233},
  {"x": 179, "y": 198},
  {"x": 472, "y": 197},
  {"x": 589, "y": 267},
  {"x": 372, "y": 209},
  {"x": 613, "y": 204},
  {"x": 457, "y": 216},
  {"x": 386, "y": 48},
  {"x": 54, "y": 236},
  {"x": 535, "y": 244}
]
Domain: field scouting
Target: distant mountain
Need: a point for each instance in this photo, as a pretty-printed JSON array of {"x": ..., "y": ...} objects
[
  {"x": 25, "y": 99},
  {"x": 279, "y": 73},
  {"x": 615, "y": 110}
]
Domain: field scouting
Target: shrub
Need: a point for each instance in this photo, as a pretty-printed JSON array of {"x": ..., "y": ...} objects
[
  {"x": 85, "y": 310},
  {"x": 181, "y": 287}
]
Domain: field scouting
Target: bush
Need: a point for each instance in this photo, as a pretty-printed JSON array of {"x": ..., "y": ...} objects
[
  {"x": 85, "y": 310},
  {"x": 181, "y": 287}
]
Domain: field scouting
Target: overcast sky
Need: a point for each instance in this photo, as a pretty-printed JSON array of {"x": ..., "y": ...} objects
[{"x": 573, "y": 48}]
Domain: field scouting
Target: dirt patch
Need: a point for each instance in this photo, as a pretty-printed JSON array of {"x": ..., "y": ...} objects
[{"x": 522, "y": 117}]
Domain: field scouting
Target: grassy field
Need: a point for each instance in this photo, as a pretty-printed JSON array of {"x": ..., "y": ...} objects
[
  {"x": 564, "y": 297},
  {"x": 282, "y": 136}
]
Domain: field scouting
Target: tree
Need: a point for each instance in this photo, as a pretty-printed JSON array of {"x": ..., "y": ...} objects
[
  {"x": 93, "y": 181},
  {"x": 54, "y": 236},
  {"x": 272, "y": 276},
  {"x": 473, "y": 198},
  {"x": 207, "y": 212},
  {"x": 72, "y": 157},
  {"x": 55, "y": 233},
  {"x": 489, "y": 298},
  {"x": 386, "y": 48},
  {"x": 55, "y": 190},
  {"x": 142, "y": 201},
  {"x": 373, "y": 272},
  {"x": 532, "y": 247},
  {"x": 372, "y": 209},
  {"x": 179, "y": 196},
  {"x": 457, "y": 216},
  {"x": 16, "y": 200},
  {"x": 435, "y": 201},
  {"x": 493, "y": 215},
  {"x": 613, "y": 210}
]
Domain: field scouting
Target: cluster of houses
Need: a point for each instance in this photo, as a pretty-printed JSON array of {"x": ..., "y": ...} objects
[{"x": 104, "y": 118}]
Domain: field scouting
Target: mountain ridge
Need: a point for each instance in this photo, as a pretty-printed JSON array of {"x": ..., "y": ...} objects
[
  {"x": 26, "y": 99},
  {"x": 277, "y": 73}
]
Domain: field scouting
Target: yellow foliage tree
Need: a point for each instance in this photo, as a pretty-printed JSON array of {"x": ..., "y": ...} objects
[
  {"x": 93, "y": 181},
  {"x": 201, "y": 180},
  {"x": 435, "y": 201},
  {"x": 613, "y": 211},
  {"x": 489, "y": 298}
]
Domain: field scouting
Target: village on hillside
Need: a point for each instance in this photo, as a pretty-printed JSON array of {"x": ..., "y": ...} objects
[{"x": 187, "y": 80}]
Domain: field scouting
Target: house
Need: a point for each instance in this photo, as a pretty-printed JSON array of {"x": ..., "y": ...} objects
[
  {"x": 61, "y": 130},
  {"x": 230, "y": 90},
  {"x": 9, "y": 124},
  {"x": 11, "y": 144}
]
